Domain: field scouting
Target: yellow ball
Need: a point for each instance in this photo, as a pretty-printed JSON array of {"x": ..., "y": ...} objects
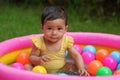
[{"x": 39, "y": 69}]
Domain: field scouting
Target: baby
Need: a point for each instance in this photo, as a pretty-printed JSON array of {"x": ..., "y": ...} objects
[{"x": 49, "y": 50}]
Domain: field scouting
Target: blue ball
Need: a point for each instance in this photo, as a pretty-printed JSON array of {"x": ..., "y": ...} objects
[
  {"x": 89, "y": 48},
  {"x": 62, "y": 74},
  {"x": 66, "y": 53},
  {"x": 116, "y": 55},
  {"x": 118, "y": 66}
]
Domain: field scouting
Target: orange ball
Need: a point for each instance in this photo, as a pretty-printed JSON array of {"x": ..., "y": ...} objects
[
  {"x": 93, "y": 66},
  {"x": 116, "y": 72},
  {"x": 23, "y": 58},
  {"x": 101, "y": 54}
]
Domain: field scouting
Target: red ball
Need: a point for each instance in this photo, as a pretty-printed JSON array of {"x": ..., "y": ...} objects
[
  {"x": 116, "y": 72},
  {"x": 101, "y": 54},
  {"x": 93, "y": 66},
  {"x": 23, "y": 58}
]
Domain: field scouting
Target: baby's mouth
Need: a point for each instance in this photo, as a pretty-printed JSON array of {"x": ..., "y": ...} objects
[{"x": 54, "y": 37}]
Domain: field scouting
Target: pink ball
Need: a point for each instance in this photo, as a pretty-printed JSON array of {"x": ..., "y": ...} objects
[
  {"x": 88, "y": 57},
  {"x": 110, "y": 62},
  {"x": 78, "y": 48},
  {"x": 18, "y": 66}
]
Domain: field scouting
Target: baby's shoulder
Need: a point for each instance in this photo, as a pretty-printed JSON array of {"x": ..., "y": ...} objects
[
  {"x": 69, "y": 41},
  {"x": 69, "y": 38},
  {"x": 36, "y": 39}
]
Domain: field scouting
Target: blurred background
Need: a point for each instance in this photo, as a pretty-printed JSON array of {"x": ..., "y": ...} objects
[{"x": 23, "y": 17}]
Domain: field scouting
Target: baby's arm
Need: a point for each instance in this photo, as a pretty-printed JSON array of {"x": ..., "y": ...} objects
[
  {"x": 78, "y": 61},
  {"x": 35, "y": 57}
]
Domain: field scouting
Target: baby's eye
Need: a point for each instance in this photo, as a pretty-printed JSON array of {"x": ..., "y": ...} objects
[
  {"x": 59, "y": 28},
  {"x": 49, "y": 28}
]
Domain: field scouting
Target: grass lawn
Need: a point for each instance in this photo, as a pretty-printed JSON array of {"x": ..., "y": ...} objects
[{"x": 19, "y": 21}]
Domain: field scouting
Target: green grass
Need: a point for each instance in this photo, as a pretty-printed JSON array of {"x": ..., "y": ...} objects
[
  {"x": 19, "y": 21},
  {"x": 79, "y": 22}
]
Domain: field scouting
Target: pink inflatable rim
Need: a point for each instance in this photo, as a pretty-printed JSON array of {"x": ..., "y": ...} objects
[
  {"x": 110, "y": 40},
  {"x": 8, "y": 73}
]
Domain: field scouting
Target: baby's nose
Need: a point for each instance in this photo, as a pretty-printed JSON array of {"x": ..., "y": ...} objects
[{"x": 54, "y": 32}]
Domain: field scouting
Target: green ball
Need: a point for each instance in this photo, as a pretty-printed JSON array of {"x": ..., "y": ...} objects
[{"x": 103, "y": 71}]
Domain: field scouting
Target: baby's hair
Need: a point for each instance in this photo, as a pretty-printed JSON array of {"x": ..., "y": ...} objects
[{"x": 52, "y": 13}]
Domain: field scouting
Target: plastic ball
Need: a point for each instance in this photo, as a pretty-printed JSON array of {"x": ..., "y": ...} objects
[
  {"x": 116, "y": 55},
  {"x": 89, "y": 48},
  {"x": 78, "y": 48},
  {"x": 62, "y": 74},
  {"x": 116, "y": 72},
  {"x": 110, "y": 62},
  {"x": 93, "y": 66},
  {"x": 101, "y": 54},
  {"x": 118, "y": 66},
  {"x": 18, "y": 66},
  {"x": 88, "y": 57},
  {"x": 67, "y": 54},
  {"x": 104, "y": 71},
  {"x": 23, "y": 58},
  {"x": 39, "y": 69}
]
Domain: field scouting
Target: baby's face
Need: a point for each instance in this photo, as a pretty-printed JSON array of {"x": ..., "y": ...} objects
[{"x": 54, "y": 30}]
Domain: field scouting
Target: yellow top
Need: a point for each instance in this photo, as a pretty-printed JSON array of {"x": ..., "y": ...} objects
[{"x": 58, "y": 58}]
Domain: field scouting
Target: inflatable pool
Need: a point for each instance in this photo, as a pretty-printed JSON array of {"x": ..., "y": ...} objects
[{"x": 9, "y": 49}]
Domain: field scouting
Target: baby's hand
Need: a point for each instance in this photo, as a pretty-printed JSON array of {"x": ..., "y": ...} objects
[
  {"x": 44, "y": 59},
  {"x": 83, "y": 72}
]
